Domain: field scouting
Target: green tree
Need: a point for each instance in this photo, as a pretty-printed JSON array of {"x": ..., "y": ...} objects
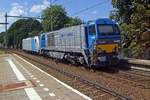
[
  {"x": 134, "y": 19},
  {"x": 55, "y": 17},
  {"x": 123, "y": 10},
  {"x": 2, "y": 34},
  {"x": 73, "y": 21},
  {"x": 20, "y": 29}
]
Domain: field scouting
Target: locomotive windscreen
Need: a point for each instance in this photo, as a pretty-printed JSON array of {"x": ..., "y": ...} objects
[{"x": 108, "y": 30}]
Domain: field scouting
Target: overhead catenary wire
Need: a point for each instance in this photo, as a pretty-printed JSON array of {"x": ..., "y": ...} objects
[
  {"x": 91, "y": 7},
  {"x": 54, "y": 1}
]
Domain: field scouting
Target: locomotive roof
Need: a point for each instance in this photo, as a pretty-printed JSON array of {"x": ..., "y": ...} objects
[
  {"x": 102, "y": 21},
  {"x": 97, "y": 21}
]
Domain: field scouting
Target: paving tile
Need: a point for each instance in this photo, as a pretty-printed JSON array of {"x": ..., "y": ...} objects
[{"x": 55, "y": 90}]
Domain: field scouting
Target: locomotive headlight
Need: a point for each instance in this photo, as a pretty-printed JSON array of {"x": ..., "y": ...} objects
[
  {"x": 102, "y": 58},
  {"x": 119, "y": 48},
  {"x": 99, "y": 50},
  {"x": 115, "y": 49}
]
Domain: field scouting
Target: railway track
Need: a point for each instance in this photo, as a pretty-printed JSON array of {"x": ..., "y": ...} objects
[
  {"x": 91, "y": 88},
  {"x": 136, "y": 78},
  {"x": 141, "y": 73}
]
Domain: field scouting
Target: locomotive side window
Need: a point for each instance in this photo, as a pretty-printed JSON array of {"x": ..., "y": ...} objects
[
  {"x": 116, "y": 29},
  {"x": 92, "y": 30}
]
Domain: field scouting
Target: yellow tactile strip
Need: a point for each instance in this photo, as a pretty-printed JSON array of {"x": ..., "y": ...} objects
[{"x": 17, "y": 85}]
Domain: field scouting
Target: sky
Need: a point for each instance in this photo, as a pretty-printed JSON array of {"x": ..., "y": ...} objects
[{"x": 35, "y": 7}]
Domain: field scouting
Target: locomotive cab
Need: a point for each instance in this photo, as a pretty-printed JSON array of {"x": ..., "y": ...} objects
[{"x": 103, "y": 42}]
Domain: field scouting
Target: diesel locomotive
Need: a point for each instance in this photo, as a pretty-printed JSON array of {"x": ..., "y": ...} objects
[{"x": 95, "y": 43}]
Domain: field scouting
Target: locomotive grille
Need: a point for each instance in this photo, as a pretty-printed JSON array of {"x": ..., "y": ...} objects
[{"x": 51, "y": 39}]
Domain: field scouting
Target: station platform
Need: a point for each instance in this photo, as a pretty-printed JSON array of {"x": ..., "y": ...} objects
[{"x": 21, "y": 80}]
